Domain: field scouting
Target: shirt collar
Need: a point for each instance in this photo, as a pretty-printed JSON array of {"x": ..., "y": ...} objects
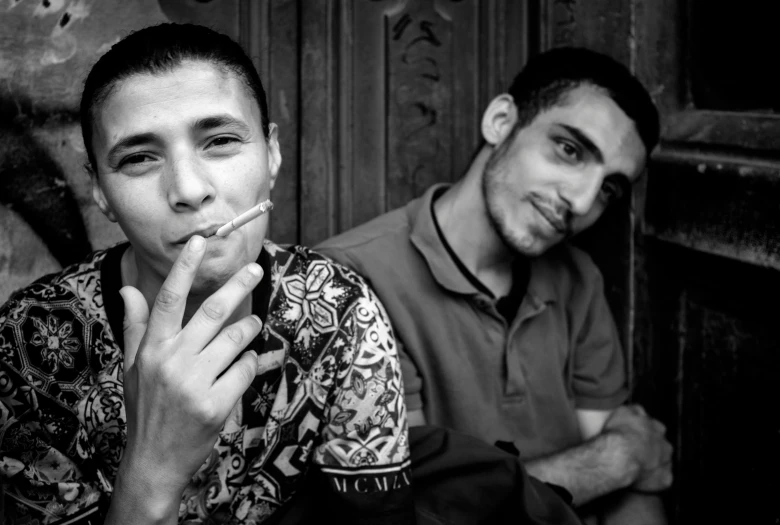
[{"x": 445, "y": 271}]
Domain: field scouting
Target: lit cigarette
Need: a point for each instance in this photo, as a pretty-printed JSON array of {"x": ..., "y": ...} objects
[{"x": 250, "y": 214}]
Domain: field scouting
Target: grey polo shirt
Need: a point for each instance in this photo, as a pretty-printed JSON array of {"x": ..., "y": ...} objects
[{"x": 463, "y": 363}]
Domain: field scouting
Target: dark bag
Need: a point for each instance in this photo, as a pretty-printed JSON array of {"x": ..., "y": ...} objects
[{"x": 456, "y": 480}]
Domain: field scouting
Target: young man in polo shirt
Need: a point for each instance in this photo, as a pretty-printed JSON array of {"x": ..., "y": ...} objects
[{"x": 505, "y": 329}]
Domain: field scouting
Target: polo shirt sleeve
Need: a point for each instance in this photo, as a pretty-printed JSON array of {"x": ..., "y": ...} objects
[
  {"x": 413, "y": 383},
  {"x": 599, "y": 380},
  {"x": 364, "y": 456}
]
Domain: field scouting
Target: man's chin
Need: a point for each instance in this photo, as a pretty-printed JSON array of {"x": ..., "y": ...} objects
[
  {"x": 210, "y": 278},
  {"x": 534, "y": 250},
  {"x": 530, "y": 245}
]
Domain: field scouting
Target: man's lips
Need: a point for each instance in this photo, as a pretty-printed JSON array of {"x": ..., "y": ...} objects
[
  {"x": 208, "y": 231},
  {"x": 551, "y": 216}
]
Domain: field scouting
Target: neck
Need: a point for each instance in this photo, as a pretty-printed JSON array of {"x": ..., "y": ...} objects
[
  {"x": 463, "y": 217},
  {"x": 137, "y": 274}
]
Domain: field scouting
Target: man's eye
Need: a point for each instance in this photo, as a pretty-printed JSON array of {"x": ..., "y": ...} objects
[
  {"x": 612, "y": 190},
  {"x": 568, "y": 150},
  {"x": 223, "y": 141},
  {"x": 136, "y": 158}
]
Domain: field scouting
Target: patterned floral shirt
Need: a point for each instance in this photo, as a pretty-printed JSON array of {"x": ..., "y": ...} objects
[{"x": 326, "y": 404}]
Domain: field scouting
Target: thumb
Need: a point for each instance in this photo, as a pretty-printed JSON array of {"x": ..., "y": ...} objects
[{"x": 134, "y": 324}]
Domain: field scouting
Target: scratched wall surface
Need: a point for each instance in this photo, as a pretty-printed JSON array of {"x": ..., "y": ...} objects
[{"x": 47, "y": 217}]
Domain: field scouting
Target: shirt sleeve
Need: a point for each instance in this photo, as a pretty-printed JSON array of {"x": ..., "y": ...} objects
[
  {"x": 412, "y": 379},
  {"x": 364, "y": 455},
  {"x": 600, "y": 380},
  {"x": 46, "y": 466},
  {"x": 413, "y": 382}
]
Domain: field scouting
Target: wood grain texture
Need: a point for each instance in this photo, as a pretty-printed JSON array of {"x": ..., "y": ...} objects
[
  {"x": 319, "y": 131},
  {"x": 419, "y": 99},
  {"x": 719, "y": 204},
  {"x": 283, "y": 85},
  {"x": 388, "y": 100}
]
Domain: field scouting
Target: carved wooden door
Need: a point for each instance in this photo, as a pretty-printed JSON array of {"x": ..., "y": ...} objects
[
  {"x": 698, "y": 280},
  {"x": 376, "y": 99}
]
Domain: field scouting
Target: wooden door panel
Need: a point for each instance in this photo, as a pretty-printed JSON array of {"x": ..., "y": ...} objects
[
  {"x": 720, "y": 204},
  {"x": 714, "y": 365},
  {"x": 376, "y": 99},
  {"x": 700, "y": 260}
]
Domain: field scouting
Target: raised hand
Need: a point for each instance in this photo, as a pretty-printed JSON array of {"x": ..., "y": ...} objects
[{"x": 179, "y": 383}]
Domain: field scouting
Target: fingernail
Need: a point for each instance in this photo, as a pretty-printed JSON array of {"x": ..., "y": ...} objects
[
  {"x": 255, "y": 269},
  {"x": 197, "y": 242},
  {"x": 257, "y": 320}
]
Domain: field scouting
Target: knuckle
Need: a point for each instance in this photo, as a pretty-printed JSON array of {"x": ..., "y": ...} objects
[
  {"x": 207, "y": 413},
  {"x": 143, "y": 362},
  {"x": 248, "y": 371},
  {"x": 213, "y": 310},
  {"x": 235, "y": 334},
  {"x": 167, "y": 299},
  {"x": 245, "y": 279},
  {"x": 168, "y": 373}
]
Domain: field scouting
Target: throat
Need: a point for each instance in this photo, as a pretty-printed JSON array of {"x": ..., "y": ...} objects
[{"x": 498, "y": 279}]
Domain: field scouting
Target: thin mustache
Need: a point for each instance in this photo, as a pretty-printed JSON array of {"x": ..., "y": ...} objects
[
  {"x": 561, "y": 214},
  {"x": 204, "y": 232}
]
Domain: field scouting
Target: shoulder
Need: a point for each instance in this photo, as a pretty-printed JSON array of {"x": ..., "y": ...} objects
[
  {"x": 49, "y": 329},
  {"x": 80, "y": 281},
  {"x": 378, "y": 236},
  {"x": 324, "y": 312},
  {"x": 307, "y": 276}
]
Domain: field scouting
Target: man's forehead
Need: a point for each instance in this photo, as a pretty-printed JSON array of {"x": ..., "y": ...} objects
[
  {"x": 187, "y": 95},
  {"x": 595, "y": 114},
  {"x": 591, "y": 108}
]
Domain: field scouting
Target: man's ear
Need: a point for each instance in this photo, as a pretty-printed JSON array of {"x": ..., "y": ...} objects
[
  {"x": 499, "y": 119},
  {"x": 274, "y": 154},
  {"x": 98, "y": 196}
]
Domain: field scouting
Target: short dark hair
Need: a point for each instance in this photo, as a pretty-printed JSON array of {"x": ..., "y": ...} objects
[
  {"x": 159, "y": 49},
  {"x": 549, "y": 76}
]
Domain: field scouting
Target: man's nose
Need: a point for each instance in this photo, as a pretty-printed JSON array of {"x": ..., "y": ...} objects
[
  {"x": 189, "y": 185},
  {"x": 581, "y": 194}
]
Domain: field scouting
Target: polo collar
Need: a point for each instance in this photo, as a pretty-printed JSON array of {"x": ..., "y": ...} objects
[{"x": 445, "y": 271}]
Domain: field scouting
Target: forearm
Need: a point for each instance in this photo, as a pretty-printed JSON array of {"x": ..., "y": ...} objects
[{"x": 597, "y": 467}]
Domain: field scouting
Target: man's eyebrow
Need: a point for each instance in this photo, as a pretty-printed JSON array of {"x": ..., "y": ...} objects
[
  {"x": 129, "y": 142},
  {"x": 221, "y": 121},
  {"x": 203, "y": 124},
  {"x": 585, "y": 141}
]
